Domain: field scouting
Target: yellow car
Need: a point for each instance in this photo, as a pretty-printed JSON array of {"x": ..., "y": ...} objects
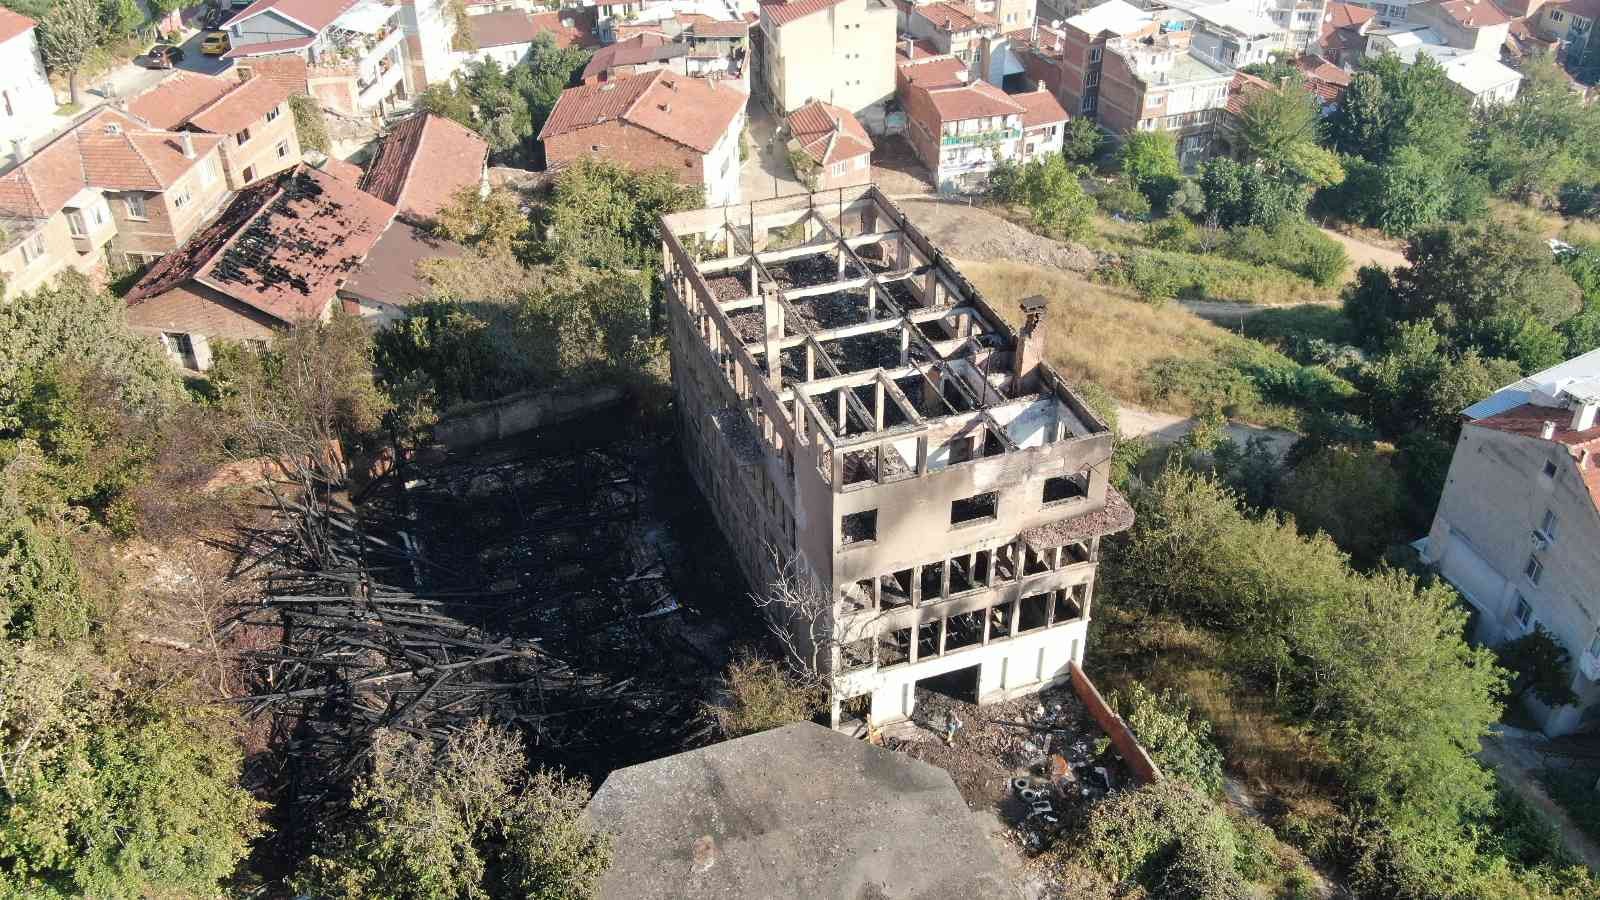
[{"x": 215, "y": 43}]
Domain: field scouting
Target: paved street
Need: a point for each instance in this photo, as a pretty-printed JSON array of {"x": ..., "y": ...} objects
[{"x": 766, "y": 172}]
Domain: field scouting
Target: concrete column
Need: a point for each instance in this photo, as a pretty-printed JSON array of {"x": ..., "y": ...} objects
[
  {"x": 905, "y": 344},
  {"x": 811, "y": 361},
  {"x": 916, "y": 587},
  {"x": 754, "y": 277},
  {"x": 944, "y": 578},
  {"x": 930, "y": 288},
  {"x": 878, "y": 399},
  {"x": 772, "y": 319},
  {"x": 839, "y": 427},
  {"x": 944, "y": 629},
  {"x": 872, "y": 301}
]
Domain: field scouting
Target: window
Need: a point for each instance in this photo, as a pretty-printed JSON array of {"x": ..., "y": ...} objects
[
  {"x": 283, "y": 149},
  {"x": 241, "y": 138},
  {"x": 273, "y": 112},
  {"x": 1094, "y": 54},
  {"x": 977, "y": 508},
  {"x": 249, "y": 174},
  {"x": 1066, "y": 487},
  {"x": 1556, "y": 15},
  {"x": 1548, "y": 526},
  {"x": 1549, "y": 469},
  {"x": 1534, "y": 569},
  {"x": 180, "y": 348},
  {"x": 75, "y": 223},
  {"x": 135, "y": 204},
  {"x": 33, "y": 249},
  {"x": 859, "y": 528},
  {"x": 1524, "y": 612},
  {"x": 180, "y": 198},
  {"x": 1594, "y": 645},
  {"x": 839, "y": 168},
  {"x": 208, "y": 174},
  {"x": 1091, "y": 79}
]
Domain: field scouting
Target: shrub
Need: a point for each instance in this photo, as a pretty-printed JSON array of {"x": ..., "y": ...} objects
[
  {"x": 1176, "y": 233},
  {"x": 1178, "y": 740},
  {"x": 1541, "y": 665},
  {"x": 762, "y": 695},
  {"x": 310, "y": 125},
  {"x": 1120, "y": 198},
  {"x": 1168, "y": 838},
  {"x": 1298, "y": 247},
  {"x": 1154, "y": 281}
]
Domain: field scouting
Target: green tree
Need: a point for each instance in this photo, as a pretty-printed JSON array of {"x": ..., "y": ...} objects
[
  {"x": 492, "y": 222},
  {"x": 1391, "y": 105},
  {"x": 41, "y": 597},
  {"x": 1237, "y": 194},
  {"x": 1178, "y": 739},
  {"x": 1281, "y": 128},
  {"x": 123, "y": 17},
  {"x": 67, "y": 33},
  {"x": 310, "y": 124},
  {"x": 761, "y": 695},
  {"x": 1081, "y": 139},
  {"x": 1052, "y": 192},
  {"x": 450, "y": 101},
  {"x": 1540, "y": 665},
  {"x": 601, "y": 214},
  {"x": 1545, "y": 138},
  {"x": 1352, "y": 495},
  {"x": 1168, "y": 838},
  {"x": 467, "y": 819},
  {"x": 1149, "y": 161}
]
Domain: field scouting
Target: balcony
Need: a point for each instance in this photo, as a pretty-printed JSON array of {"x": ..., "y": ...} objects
[
  {"x": 372, "y": 93},
  {"x": 91, "y": 228},
  {"x": 982, "y": 137}
]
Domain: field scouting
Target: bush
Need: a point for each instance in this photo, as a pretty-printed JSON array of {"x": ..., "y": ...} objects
[
  {"x": 1176, "y": 233},
  {"x": 1354, "y": 496},
  {"x": 1298, "y": 247},
  {"x": 1120, "y": 198},
  {"x": 1168, "y": 838},
  {"x": 1539, "y": 664},
  {"x": 1051, "y": 191},
  {"x": 310, "y": 124},
  {"x": 1154, "y": 281},
  {"x": 762, "y": 695},
  {"x": 1201, "y": 276},
  {"x": 1178, "y": 740}
]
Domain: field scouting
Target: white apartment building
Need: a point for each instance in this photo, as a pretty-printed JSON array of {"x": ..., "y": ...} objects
[
  {"x": 27, "y": 103},
  {"x": 837, "y": 51}
]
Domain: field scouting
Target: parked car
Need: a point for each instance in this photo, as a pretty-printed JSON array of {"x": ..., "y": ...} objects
[
  {"x": 163, "y": 56},
  {"x": 215, "y": 43}
]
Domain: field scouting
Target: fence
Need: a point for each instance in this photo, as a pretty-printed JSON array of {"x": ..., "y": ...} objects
[{"x": 1144, "y": 768}]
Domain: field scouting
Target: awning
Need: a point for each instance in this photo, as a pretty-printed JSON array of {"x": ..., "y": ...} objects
[{"x": 366, "y": 18}]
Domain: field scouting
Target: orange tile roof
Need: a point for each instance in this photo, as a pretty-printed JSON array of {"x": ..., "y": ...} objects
[
  {"x": 942, "y": 71},
  {"x": 423, "y": 163},
  {"x": 288, "y": 69},
  {"x": 13, "y": 24},
  {"x": 1474, "y": 13},
  {"x": 713, "y": 28},
  {"x": 179, "y": 96},
  {"x": 694, "y": 112},
  {"x": 243, "y": 106},
  {"x": 948, "y": 16},
  {"x": 828, "y": 133},
  {"x": 1344, "y": 15},
  {"x": 283, "y": 246},
  {"x": 782, "y": 13},
  {"x": 1528, "y": 421},
  {"x": 109, "y": 150},
  {"x": 969, "y": 101},
  {"x": 342, "y": 169},
  {"x": 1242, "y": 88},
  {"x": 1039, "y": 108}
]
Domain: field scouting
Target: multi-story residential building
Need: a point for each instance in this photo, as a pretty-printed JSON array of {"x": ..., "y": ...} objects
[
  {"x": 835, "y": 143},
  {"x": 1301, "y": 21},
  {"x": 277, "y": 255},
  {"x": 958, "y": 29},
  {"x": 27, "y": 102},
  {"x": 1158, "y": 84},
  {"x": 356, "y": 50},
  {"x": 1232, "y": 33},
  {"x": 837, "y": 51},
  {"x": 961, "y": 131},
  {"x": 1083, "y": 45},
  {"x": 253, "y": 118},
  {"x": 689, "y": 126},
  {"x": 1519, "y": 522},
  {"x": 430, "y": 30},
  {"x": 1477, "y": 73},
  {"x": 1568, "y": 26},
  {"x": 1343, "y": 38},
  {"x": 870, "y": 432},
  {"x": 110, "y": 189}
]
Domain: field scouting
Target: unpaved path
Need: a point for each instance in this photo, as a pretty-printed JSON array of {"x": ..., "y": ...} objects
[
  {"x": 1515, "y": 761},
  {"x": 1363, "y": 253},
  {"x": 1165, "y": 428}
]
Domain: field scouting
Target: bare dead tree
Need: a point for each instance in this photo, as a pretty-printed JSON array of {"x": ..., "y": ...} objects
[{"x": 800, "y": 614}]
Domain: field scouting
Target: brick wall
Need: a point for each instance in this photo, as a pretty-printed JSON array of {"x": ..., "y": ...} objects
[
  {"x": 166, "y": 225},
  {"x": 627, "y": 145},
  {"x": 1144, "y": 768},
  {"x": 1122, "y": 95},
  {"x": 923, "y": 126}
]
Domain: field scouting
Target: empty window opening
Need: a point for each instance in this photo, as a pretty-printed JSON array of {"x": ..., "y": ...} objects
[
  {"x": 932, "y": 582},
  {"x": 962, "y": 684},
  {"x": 855, "y": 709},
  {"x": 992, "y": 445},
  {"x": 859, "y": 528},
  {"x": 1074, "y": 553},
  {"x": 961, "y": 576},
  {"x": 965, "y": 630},
  {"x": 858, "y": 595},
  {"x": 1062, "y": 488},
  {"x": 981, "y": 561},
  {"x": 1549, "y": 469},
  {"x": 928, "y": 640},
  {"x": 1069, "y": 605},
  {"x": 1548, "y": 526},
  {"x": 894, "y": 648},
  {"x": 1035, "y": 612},
  {"x": 955, "y": 397},
  {"x": 1534, "y": 569},
  {"x": 957, "y": 450},
  {"x": 1000, "y": 616},
  {"x": 860, "y": 466},
  {"x": 856, "y": 654},
  {"x": 1524, "y": 612},
  {"x": 977, "y": 508},
  {"x": 895, "y": 590},
  {"x": 1034, "y": 563},
  {"x": 1005, "y": 563}
]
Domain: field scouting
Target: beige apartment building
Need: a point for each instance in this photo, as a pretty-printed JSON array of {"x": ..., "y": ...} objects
[
  {"x": 838, "y": 51},
  {"x": 251, "y": 116},
  {"x": 869, "y": 429}
]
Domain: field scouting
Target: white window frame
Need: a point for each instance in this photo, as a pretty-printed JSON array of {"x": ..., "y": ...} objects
[
  {"x": 1522, "y": 612},
  {"x": 136, "y": 207},
  {"x": 1533, "y": 570}
]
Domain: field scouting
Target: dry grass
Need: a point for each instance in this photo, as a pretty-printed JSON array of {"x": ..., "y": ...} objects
[
  {"x": 1546, "y": 222},
  {"x": 1099, "y": 333}
]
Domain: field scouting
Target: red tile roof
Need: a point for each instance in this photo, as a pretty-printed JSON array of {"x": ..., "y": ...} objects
[
  {"x": 269, "y": 48},
  {"x": 1039, "y": 108},
  {"x": 389, "y": 273},
  {"x": 283, "y": 246},
  {"x": 715, "y": 29},
  {"x": 783, "y": 13},
  {"x": 423, "y": 163},
  {"x": 948, "y": 16},
  {"x": 1242, "y": 88},
  {"x": 637, "y": 50},
  {"x": 314, "y": 14},
  {"x": 109, "y": 150},
  {"x": 919, "y": 49},
  {"x": 508, "y": 27},
  {"x": 1474, "y": 13},
  {"x": 578, "y": 34},
  {"x": 694, "y": 112},
  {"x": 943, "y": 71},
  {"x": 828, "y": 133},
  {"x": 13, "y": 24},
  {"x": 342, "y": 169},
  {"x": 969, "y": 101},
  {"x": 242, "y": 107},
  {"x": 1323, "y": 79},
  {"x": 1528, "y": 421},
  {"x": 287, "y": 69},
  {"x": 179, "y": 96},
  {"x": 1344, "y": 15}
]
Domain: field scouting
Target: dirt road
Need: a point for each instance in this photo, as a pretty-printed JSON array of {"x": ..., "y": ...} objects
[
  {"x": 1513, "y": 755},
  {"x": 1363, "y": 253},
  {"x": 1165, "y": 428}
]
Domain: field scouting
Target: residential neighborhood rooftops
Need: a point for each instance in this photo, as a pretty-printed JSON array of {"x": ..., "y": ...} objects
[
  {"x": 269, "y": 48},
  {"x": 423, "y": 163},
  {"x": 1345, "y": 15},
  {"x": 13, "y": 24},
  {"x": 954, "y": 17},
  {"x": 941, "y": 71},
  {"x": 1578, "y": 369},
  {"x": 1115, "y": 16},
  {"x": 389, "y": 273},
  {"x": 179, "y": 96},
  {"x": 1239, "y": 16},
  {"x": 969, "y": 101},
  {"x": 694, "y": 112},
  {"x": 1474, "y": 13},
  {"x": 508, "y": 27},
  {"x": 107, "y": 149},
  {"x": 240, "y": 107},
  {"x": 748, "y": 817},
  {"x": 1478, "y": 73},
  {"x": 1243, "y": 88},
  {"x": 828, "y": 133},
  {"x": 283, "y": 246},
  {"x": 313, "y": 14},
  {"x": 637, "y": 50},
  {"x": 783, "y": 13},
  {"x": 1039, "y": 108}
]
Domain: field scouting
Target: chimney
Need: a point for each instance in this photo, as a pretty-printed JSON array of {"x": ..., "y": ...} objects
[
  {"x": 1583, "y": 414},
  {"x": 1029, "y": 352},
  {"x": 187, "y": 140},
  {"x": 1549, "y": 430},
  {"x": 244, "y": 74}
]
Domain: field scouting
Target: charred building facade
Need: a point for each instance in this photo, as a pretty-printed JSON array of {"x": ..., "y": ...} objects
[{"x": 855, "y": 411}]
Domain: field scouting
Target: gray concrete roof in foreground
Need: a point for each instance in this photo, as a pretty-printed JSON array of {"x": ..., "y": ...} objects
[{"x": 796, "y": 812}]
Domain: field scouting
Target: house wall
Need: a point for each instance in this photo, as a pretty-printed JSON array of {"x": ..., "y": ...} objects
[
  {"x": 846, "y": 172},
  {"x": 1488, "y": 39},
  {"x": 204, "y": 314},
  {"x": 429, "y": 22},
  {"x": 843, "y": 55},
  {"x": 272, "y": 147},
  {"x": 27, "y": 102},
  {"x": 60, "y": 254},
  {"x": 1043, "y": 140},
  {"x": 1123, "y": 96},
  {"x": 265, "y": 27},
  {"x": 505, "y": 55},
  {"x": 1495, "y": 496},
  {"x": 167, "y": 224},
  {"x": 630, "y": 146},
  {"x": 720, "y": 168}
]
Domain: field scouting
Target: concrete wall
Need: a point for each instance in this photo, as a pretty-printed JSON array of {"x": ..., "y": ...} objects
[
  {"x": 27, "y": 102},
  {"x": 22, "y": 274},
  {"x": 1133, "y": 753},
  {"x": 1495, "y": 496},
  {"x": 166, "y": 225},
  {"x": 843, "y": 55},
  {"x": 496, "y": 419},
  {"x": 273, "y": 146}
]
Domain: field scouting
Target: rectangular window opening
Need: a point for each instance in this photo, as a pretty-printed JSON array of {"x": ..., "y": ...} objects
[
  {"x": 895, "y": 590},
  {"x": 859, "y": 528},
  {"x": 1000, "y": 616},
  {"x": 932, "y": 582},
  {"x": 978, "y": 508},
  {"x": 965, "y": 630},
  {"x": 1063, "y": 488},
  {"x": 1069, "y": 604},
  {"x": 894, "y": 647},
  {"x": 928, "y": 640},
  {"x": 1035, "y": 612}
]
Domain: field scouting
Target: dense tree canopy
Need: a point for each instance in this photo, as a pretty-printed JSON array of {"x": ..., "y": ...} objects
[{"x": 508, "y": 106}]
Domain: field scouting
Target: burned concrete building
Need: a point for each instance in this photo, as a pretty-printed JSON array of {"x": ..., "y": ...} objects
[{"x": 855, "y": 411}]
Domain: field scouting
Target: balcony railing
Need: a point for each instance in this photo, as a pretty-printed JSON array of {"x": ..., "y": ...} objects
[{"x": 982, "y": 137}]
